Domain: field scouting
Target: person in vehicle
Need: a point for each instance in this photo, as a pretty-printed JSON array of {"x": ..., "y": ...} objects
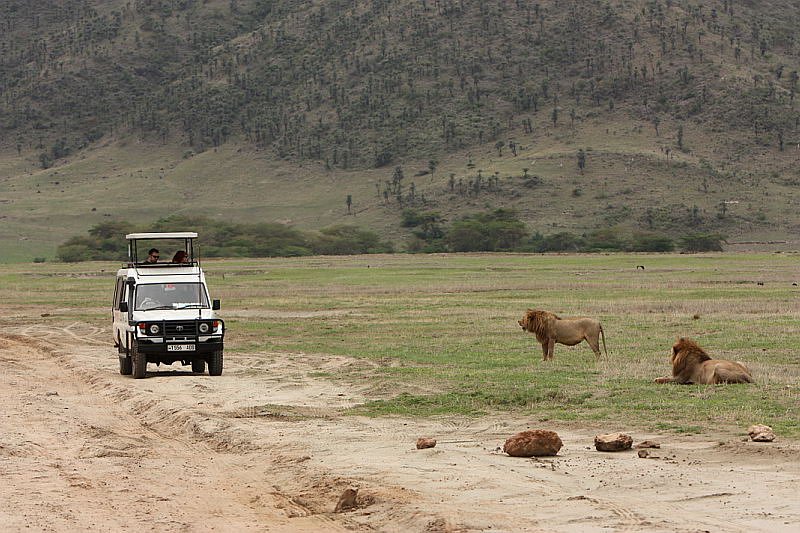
[
  {"x": 152, "y": 256},
  {"x": 180, "y": 257}
]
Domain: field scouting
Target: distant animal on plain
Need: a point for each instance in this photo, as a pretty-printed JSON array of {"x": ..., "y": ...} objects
[
  {"x": 691, "y": 364},
  {"x": 639, "y": 267},
  {"x": 551, "y": 329}
]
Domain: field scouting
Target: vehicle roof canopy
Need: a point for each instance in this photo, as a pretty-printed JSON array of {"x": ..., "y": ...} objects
[
  {"x": 174, "y": 235},
  {"x": 180, "y": 240}
]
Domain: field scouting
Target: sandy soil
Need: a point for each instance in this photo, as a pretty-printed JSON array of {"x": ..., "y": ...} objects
[{"x": 265, "y": 448}]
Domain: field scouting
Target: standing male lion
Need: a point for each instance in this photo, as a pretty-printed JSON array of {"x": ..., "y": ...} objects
[
  {"x": 551, "y": 329},
  {"x": 691, "y": 364}
]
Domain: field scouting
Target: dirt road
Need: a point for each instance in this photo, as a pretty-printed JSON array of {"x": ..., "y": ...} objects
[{"x": 265, "y": 448}]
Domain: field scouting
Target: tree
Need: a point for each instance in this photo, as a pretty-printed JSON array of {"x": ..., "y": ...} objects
[
  {"x": 656, "y": 121},
  {"x": 397, "y": 178},
  {"x": 349, "y": 203},
  {"x": 499, "y": 146},
  {"x": 680, "y": 137},
  {"x": 554, "y": 116},
  {"x": 348, "y": 240},
  {"x": 581, "y": 159},
  {"x": 432, "y": 166},
  {"x": 45, "y": 161},
  {"x": 702, "y": 242},
  {"x": 499, "y": 230}
]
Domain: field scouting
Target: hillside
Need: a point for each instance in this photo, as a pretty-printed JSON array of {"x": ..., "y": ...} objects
[{"x": 276, "y": 111}]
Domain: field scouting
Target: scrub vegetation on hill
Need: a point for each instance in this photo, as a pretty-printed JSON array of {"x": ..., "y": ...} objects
[
  {"x": 362, "y": 83},
  {"x": 665, "y": 117},
  {"x": 497, "y": 231}
]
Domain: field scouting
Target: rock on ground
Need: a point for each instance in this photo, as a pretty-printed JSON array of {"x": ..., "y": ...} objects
[
  {"x": 761, "y": 433},
  {"x": 613, "y": 442},
  {"x": 424, "y": 442},
  {"x": 532, "y": 443}
]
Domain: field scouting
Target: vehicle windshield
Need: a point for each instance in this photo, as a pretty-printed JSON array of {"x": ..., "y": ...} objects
[{"x": 170, "y": 296}]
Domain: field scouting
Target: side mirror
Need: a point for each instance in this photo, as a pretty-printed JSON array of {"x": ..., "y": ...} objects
[
  {"x": 215, "y": 305},
  {"x": 123, "y": 307}
]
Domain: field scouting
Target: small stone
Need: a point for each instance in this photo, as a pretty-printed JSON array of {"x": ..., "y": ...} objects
[
  {"x": 761, "y": 433},
  {"x": 648, "y": 444},
  {"x": 613, "y": 442},
  {"x": 643, "y": 454},
  {"x": 425, "y": 442},
  {"x": 535, "y": 442}
]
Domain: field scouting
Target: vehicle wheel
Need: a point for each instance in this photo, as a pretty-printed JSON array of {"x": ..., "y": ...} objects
[
  {"x": 215, "y": 364},
  {"x": 198, "y": 366},
  {"x": 125, "y": 365},
  {"x": 139, "y": 361}
]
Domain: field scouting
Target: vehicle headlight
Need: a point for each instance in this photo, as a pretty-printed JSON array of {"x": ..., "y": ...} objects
[
  {"x": 154, "y": 329},
  {"x": 203, "y": 327}
]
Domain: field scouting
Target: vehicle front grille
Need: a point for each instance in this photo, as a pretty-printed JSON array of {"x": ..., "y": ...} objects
[{"x": 183, "y": 328}]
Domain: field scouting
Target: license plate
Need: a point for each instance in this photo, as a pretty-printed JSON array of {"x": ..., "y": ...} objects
[{"x": 180, "y": 347}]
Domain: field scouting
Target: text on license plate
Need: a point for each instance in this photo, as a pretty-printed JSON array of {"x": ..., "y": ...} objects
[{"x": 180, "y": 347}]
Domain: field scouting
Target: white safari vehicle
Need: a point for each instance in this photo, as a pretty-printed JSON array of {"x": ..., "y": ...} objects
[{"x": 162, "y": 312}]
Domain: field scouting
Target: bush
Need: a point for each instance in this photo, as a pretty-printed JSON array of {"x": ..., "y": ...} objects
[
  {"x": 702, "y": 242},
  {"x": 499, "y": 230},
  {"x": 651, "y": 243},
  {"x": 348, "y": 240},
  {"x": 560, "y": 242},
  {"x": 106, "y": 241},
  {"x": 73, "y": 253},
  {"x": 604, "y": 240}
]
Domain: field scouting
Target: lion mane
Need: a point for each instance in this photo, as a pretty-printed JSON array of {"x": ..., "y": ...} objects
[
  {"x": 550, "y": 328},
  {"x": 691, "y": 364},
  {"x": 540, "y": 323}
]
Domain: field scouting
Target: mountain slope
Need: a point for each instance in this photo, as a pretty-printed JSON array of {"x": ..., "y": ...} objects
[{"x": 697, "y": 100}]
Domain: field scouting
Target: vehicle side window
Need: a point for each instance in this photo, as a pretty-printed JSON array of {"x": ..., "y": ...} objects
[{"x": 117, "y": 293}]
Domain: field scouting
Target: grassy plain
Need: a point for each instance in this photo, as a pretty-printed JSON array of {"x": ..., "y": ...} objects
[{"x": 437, "y": 334}]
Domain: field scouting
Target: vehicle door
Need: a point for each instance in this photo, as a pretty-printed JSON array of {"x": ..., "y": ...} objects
[{"x": 120, "y": 319}]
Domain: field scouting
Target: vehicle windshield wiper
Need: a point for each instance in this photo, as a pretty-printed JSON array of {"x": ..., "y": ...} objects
[
  {"x": 157, "y": 308},
  {"x": 187, "y": 306}
]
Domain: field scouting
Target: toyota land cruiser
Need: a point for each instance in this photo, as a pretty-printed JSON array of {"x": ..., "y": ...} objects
[{"x": 162, "y": 312}]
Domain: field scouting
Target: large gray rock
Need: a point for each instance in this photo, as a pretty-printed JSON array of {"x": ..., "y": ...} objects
[{"x": 534, "y": 442}]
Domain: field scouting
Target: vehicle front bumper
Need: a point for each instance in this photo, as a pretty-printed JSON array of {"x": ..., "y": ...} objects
[{"x": 201, "y": 347}]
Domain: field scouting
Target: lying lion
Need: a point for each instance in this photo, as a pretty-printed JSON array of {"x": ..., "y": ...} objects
[
  {"x": 691, "y": 364},
  {"x": 551, "y": 329}
]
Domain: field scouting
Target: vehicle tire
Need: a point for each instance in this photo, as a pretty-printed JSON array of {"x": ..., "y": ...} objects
[
  {"x": 139, "y": 361},
  {"x": 215, "y": 364},
  {"x": 125, "y": 365},
  {"x": 198, "y": 366}
]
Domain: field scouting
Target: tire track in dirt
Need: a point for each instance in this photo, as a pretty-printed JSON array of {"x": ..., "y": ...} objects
[
  {"x": 278, "y": 440},
  {"x": 141, "y": 431},
  {"x": 312, "y": 489}
]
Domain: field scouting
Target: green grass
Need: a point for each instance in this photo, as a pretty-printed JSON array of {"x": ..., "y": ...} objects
[{"x": 437, "y": 335}]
